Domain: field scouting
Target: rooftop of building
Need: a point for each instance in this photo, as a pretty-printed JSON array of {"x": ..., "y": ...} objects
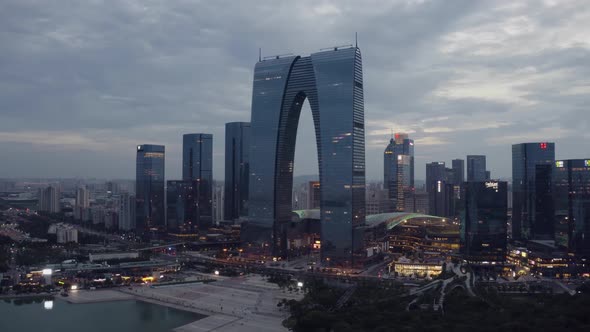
[{"x": 390, "y": 220}]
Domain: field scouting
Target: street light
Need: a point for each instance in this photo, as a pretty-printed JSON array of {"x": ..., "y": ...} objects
[
  {"x": 216, "y": 272},
  {"x": 299, "y": 284},
  {"x": 48, "y": 305}
]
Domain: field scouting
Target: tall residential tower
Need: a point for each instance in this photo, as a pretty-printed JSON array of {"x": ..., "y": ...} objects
[{"x": 48, "y": 199}]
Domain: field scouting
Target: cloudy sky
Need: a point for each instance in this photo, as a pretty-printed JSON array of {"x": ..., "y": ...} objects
[{"x": 83, "y": 82}]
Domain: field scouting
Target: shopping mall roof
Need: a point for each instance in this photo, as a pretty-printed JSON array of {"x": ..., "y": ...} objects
[
  {"x": 308, "y": 214},
  {"x": 389, "y": 219},
  {"x": 395, "y": 218}
]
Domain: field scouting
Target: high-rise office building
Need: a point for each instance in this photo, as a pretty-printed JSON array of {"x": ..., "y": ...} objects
[
  {"x": 48, "y": 199},
  {"x": 237, "y": 169},
  {"x": 484, "y": 218},
  {"x": 180, "y": 205},
  {"x": 218, "y": 203},
  {"x": 398, "y": 172},
  {"x": 313, "y": 195},
  {"x": 441, "y": 190},
  {"x": 572, "y": 205},
  {"x": 149, "y": 188},
  {"x": 197, "y": 166},
  {"x": 532, "y": 213},
  {"x": 332, "y": 82},
  {"x": 441, "y": 200},
  {"x": 82, "y": 203},
  {"x": 126, "y": 212},
  {"x": 435, "y": 171},
  {"x": 422, "y": 202},
  {"x": 476, "y": 168},
  {"x": 544, "y": 227},
  {"x": 377, "y": 200},
  {"x": 458, "y": 171}
]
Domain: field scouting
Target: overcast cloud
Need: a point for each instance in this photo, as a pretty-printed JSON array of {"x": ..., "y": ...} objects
[{"x": 83, "y": 82}]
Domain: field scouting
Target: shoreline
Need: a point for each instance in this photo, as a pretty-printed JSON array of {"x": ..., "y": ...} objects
[
  {"x": 147, "y": 299},
  {"x": 27, "y": 296},
  {"x": 243, "y": 304}
]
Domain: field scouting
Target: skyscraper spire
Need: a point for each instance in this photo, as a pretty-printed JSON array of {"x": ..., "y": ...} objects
[
  {"x": 356, "y": 40},
  {"x": 259, "y": 54}
]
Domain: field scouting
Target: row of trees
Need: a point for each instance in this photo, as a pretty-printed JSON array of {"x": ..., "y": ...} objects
[{"x": 5, "y": 244}]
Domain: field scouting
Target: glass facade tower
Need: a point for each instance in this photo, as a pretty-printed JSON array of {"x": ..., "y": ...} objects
[
  {"x": 237, "y": 170},
  {"x": 149, "y": 188},
  {"x": 332, "y": 83},
  {"x": 458, "y": 171},
  {"x": 572, "y": 205},
  {"x": 398, "y": 173},
  {"x": 197, "y": 167},
  {"x": 476, "y": 168},
  {"x": 435, "y": 172},
  {"x": 532, "y": 208},
  {"x": 181, "y": 205},
  {"x": 484, "y": 218}
]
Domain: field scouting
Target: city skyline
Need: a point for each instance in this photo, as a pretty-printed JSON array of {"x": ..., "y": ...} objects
[{"x": 502, "y": 90}]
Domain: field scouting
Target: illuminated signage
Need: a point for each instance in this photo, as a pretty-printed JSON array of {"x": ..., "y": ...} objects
[
  {"x": 492, "y": 185},
  {"x": 587, "y": 163},
  {"x": 139, "y": 147},
  {"x": 543, "y": 146},
  {"x": 153, "y": 155},
  {"x": 438, "y": 186},
  {"x": 559, "y": 163}
]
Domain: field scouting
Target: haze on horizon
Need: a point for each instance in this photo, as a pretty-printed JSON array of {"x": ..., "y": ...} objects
[{"x": 81, "y": 84}]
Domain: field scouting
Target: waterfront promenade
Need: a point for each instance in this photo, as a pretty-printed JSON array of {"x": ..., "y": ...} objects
[{"x": 246, "y": 303}]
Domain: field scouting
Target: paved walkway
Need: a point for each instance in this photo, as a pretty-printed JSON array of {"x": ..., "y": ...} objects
[
  {"x": 95, "y": 296},
  {"x": 232, "y": 304}
]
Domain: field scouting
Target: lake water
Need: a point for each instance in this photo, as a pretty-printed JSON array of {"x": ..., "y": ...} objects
[{"x": 60, "y": 316}]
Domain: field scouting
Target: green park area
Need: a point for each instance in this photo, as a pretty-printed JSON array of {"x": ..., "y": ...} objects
[{"x": 378, "y": 307}]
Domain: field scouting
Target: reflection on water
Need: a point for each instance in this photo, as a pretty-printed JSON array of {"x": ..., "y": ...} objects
[{"x": 46, "y": 314}]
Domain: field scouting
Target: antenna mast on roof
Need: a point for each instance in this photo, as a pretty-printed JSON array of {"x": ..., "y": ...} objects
[{"x": 356, "y": 40}]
